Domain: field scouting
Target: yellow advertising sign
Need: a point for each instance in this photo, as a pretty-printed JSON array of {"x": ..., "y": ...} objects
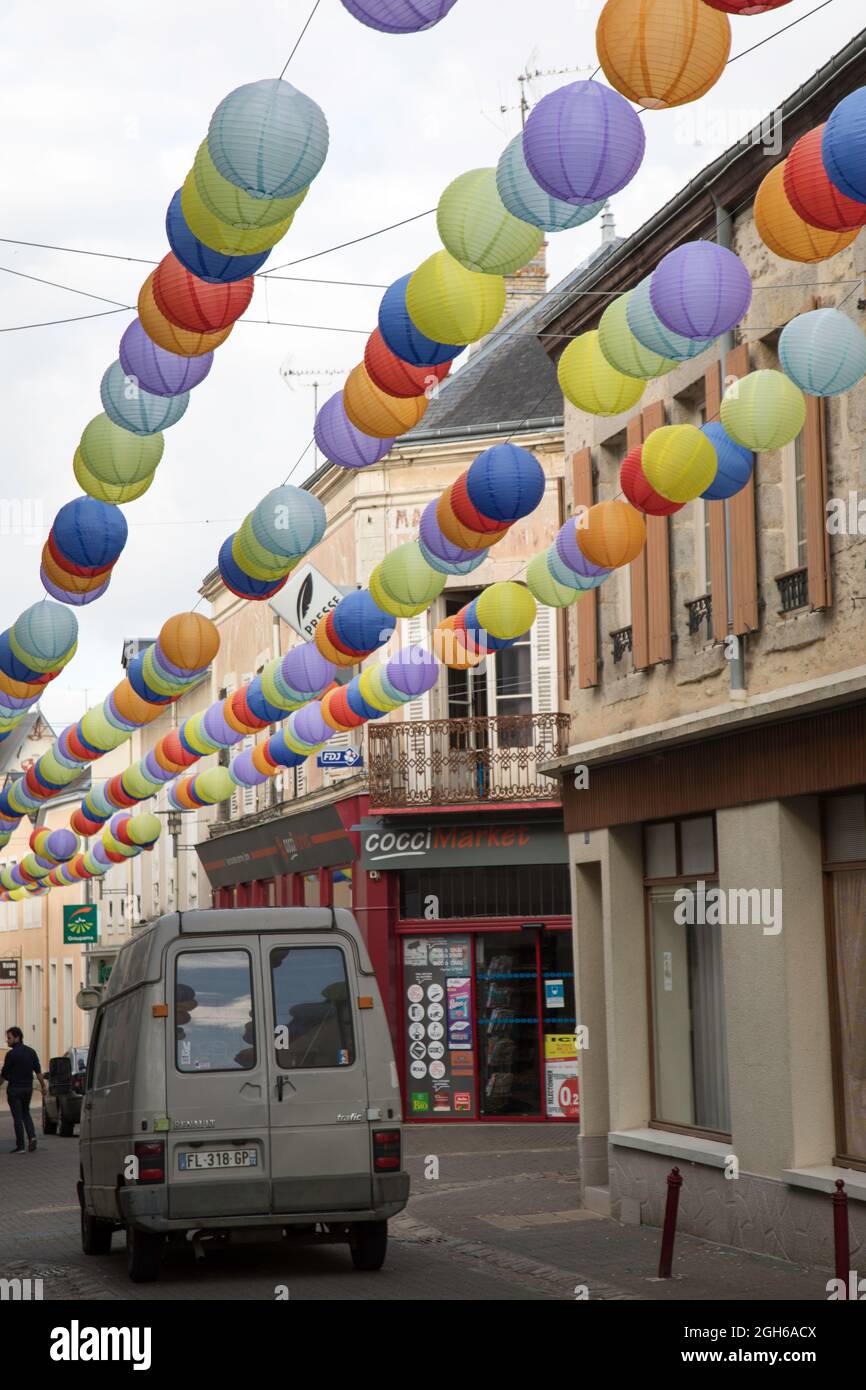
[{"x": 559, "y": 1047}]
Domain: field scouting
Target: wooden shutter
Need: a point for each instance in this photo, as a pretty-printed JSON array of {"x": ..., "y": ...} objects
[
  {"x": 544, "y": 673},
  {"x": 744, "y": 548},
  {"x": 658, "y": 565},
  {"x": 637, "y": 571},
  {"x": 815, "y": 469},
  {"x": 716, "y": 515},
  {"x": 587, "y": 607}
]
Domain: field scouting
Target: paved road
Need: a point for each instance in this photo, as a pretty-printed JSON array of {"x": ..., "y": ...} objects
[{"x": 499, "y": 1222}]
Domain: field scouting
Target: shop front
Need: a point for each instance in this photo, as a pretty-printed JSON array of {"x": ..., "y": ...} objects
[{"x": 485, "y": 1024}]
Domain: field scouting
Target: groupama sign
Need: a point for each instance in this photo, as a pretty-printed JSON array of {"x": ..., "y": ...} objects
[{"x": 80, "y": 924}]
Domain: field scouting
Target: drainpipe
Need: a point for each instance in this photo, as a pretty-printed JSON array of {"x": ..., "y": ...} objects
[{"x": 724, "y": 237}]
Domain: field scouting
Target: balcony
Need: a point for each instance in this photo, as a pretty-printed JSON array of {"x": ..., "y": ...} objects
[{"x": 453, "y": 762}]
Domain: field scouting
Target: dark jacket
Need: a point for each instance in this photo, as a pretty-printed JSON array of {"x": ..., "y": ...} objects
[{"x": 19, "y": 1066}]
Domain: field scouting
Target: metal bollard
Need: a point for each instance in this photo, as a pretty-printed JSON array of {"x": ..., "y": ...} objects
[
  {"x": 669, "y": 1229},
  {"x": 840, "y": 1236}
]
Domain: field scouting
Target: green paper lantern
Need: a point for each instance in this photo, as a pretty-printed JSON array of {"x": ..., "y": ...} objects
[
  {"x": 405, "y": 585},
  {"x": 116, "y": 456},
  {"x": 478, "y": 230},
  {"x": 622, "y": 349},
  {"x": 233, "y": 205},
  {"x": 545, "y": 588},
  {"x": 763, "y": 411},
  {"x": 106, "y": 492},
  {"x": 214, "y": 784}
]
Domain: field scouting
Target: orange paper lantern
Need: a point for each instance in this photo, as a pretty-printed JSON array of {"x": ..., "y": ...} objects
[
  {"x": 374, "y": 412},
  {"x": 662, "y": 54},
  {"x": 614, "y": 534},
  {"x": 784, "y": 232},
  {"x": 463, "y": 536}
]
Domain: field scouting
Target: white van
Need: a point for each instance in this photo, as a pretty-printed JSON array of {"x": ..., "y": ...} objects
[{"x": 241, "y": 1076}]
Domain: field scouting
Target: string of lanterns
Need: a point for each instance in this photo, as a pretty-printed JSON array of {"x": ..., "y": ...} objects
[
  {"x": 257, "y": 559},
  {"x": 33, "y": 652}
]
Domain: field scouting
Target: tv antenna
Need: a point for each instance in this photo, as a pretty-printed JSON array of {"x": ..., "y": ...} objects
[
  {"x": 314, "y": 378},
  {"x": 530, "y": 75}
]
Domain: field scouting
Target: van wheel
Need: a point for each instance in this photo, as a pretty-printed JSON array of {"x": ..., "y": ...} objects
[
  {"x": 368, "y": 1242},
  {"x": 143, "y": 1255},
  {"x": 48, "y": 1126},
  {"x": 95, "y": 1235},
  {"x": 67, "y": 1128}
]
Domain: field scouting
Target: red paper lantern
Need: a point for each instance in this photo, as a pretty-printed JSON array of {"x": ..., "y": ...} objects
[
  {"x": 343, "y": 647},
  {"x": 810, "y": 192},
  {"x": 637, "y": 490},
  {"x": 197, "y": 305},
  {"x": 468, "y": 514},
  {"x": 746, "y": 7},
  {"x": 342, "y": 711},
  {"x": 398, "y": 378}
]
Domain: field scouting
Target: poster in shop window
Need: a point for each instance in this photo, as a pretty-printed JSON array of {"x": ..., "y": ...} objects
[
  {"x": 439, "y": 1026},
  {"x": 560, "y": 1077}
]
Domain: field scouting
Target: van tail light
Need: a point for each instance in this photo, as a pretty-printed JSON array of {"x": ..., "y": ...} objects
[
  {"x": 78, "y": 1084},
  {"x": 386, "y": 1150},
  {"x": 150, "y": 1154}
]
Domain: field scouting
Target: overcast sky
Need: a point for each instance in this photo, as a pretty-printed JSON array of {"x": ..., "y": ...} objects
[{"x": 103, "y": 107}]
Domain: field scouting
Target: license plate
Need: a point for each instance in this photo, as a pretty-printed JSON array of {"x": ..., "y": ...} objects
[{"x": 211, "y": 1159}]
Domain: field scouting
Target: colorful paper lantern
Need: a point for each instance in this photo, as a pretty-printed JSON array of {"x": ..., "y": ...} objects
[
  {"x": 343, "y": 444},
  {"x": 202, "y": 260},
  {"x": 399, "y": 16},
  {"x": 623, "y": 350},
  {"x": 439, "y": 552},
  {"x": 735, "y": 464},
  {"x": 134, "y": 409},
  {"x": 843, "y": 143},
  {"x": 458, "y": 533},
  {"x": 823, "y": 352},
  {"x": 198, "y": 305},
  {"x": 89, "y": 533},
  {"x": 746, "y": 7},
  {"x": 528, "y": 201},
  {"x": 589, "y": 382},
  {"x": 662, "y": 55},
  {"x": 614, "y": 534},
  {"x": 638, "y": 491},
  {"x": 505, "y": 483},
  {"x": 566, "y": 560},
  {"x": 785, "y": 233},
  {"x": 377, "y": 414},
  {"x": 678, "y": 462},
  {"x": 396, "y": 377},
  {"x": 545, "y": 589},
  {"x": 117, "y": 457},
  {"x": 810, "y": 192},
  {"x": 403, "y": 584},
  {"x": 220, "y": 236},
  {"x": 167, "y": 335},
  {"x": 449, "y": 303},
  {"x": 583, "y": 143},
  {"x": 268, "y": 138},
  {"x": 189, "y": 640},
  {"x": 232, "y": 205},
  {"x": 763, "y": 411},
  {"x": 402, "y": 337},
  {"x": 652, "y": 334},
  {"x": 157, "y": 371},
  {"x": 467, "y": 513},
  {"x": 477, "y": 229},
  {"x": 700, "y": 290},
  {"x": 506, "y": 610},
  {"x": 108, "y": 492},
  {"x": 289, "y": 521},
  {"x": 44, "y": 636}
]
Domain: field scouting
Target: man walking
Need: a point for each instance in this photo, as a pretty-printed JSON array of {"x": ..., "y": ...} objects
[{"x": 20, "y": 1065}]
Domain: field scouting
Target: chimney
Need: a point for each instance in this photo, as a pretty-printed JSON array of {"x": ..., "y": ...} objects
[
  {"x": 608, "y": 229},
  {"x": 527, "y": 287}
]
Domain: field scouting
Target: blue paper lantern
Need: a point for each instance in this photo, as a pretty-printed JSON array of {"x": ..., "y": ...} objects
[
  {"x": 45, "y": 633},
  {"x": 583, "y": 142},
  {"x": 128, "y": 405},
  {"x": 735, "y": 463},
  {"x": 90, "y": 533},
  {"x": 651, "y": 333},
  {"x": 823, "y": 352},
  {"x": 268, "y": 138},
  {"x": 843, "y": 148},
  {"x": 403, "y": 338},
  {"x": 361, "y": 624},
  {"x": 234, "y": 578},
  {"x": 505, "y": 483},
  {"x": 526, "y": 199},
  {"x": 289, "y": 521},
  {"x": 202, "y": 260}
]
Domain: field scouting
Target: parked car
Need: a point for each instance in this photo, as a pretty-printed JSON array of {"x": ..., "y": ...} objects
[
  {"x": 61, "y": 1107},
  {"x": 241, "y": 1079}
]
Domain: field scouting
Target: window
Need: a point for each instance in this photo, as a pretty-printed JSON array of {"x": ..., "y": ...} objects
[
  {"x": 213, "y": 1012},
  {"x": 312, "y": 1008},
  {"x": 794, "y": 476},
  {"x": 117, "y": 1042},
  {"x": 688, "y": 1037},
  {"x": 845, "y": 845}
]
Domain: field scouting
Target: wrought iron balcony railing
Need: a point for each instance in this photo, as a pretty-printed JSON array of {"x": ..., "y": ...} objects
[
  {"x": 451, "y": 762},
  {"x": 700, "y": 610},
  {"x": 793, "y": 589},
  {"x": 621, "y": 642}
]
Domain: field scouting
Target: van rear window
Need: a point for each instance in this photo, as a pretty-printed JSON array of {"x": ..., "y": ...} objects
[
  {"x": 312, "y": 1008},
  {"x": 213, "y": 1011}
]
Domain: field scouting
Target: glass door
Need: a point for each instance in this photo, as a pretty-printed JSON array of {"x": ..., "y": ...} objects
[{"x": 506, "y": 985}]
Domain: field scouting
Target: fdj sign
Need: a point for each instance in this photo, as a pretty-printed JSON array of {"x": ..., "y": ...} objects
[
  {"x": 340, "y": 757},
  {"x": 80, "y": 924}
]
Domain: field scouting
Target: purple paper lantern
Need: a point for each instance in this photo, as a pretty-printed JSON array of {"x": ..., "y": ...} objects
[
  {"x": 244, "y": 771},
  {"x": 573, "y": 557},
  {"x": 399, "y": 16},
  {"x": 413, "y": 671},
  {"x": 309, "y": 726},
  {"x": 438, "y": 544},
  {"x": 700, "y": 290},
  {"x": 341, "y": 443},
  {"x": 157, "y": 371},
  {"x": 305, "y": 670},
  {"x": 583, "y": 143},
  {"x": 217, "y": 729}
]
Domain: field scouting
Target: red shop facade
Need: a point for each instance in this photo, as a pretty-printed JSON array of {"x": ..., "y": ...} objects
[{"x": 467, "y": 920}]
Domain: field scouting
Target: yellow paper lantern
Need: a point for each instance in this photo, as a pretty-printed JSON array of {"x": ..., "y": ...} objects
[
  {"x": 784, "y": 231},
  {"x": 506, "y": 610},
  {"x": 614, "y": 534},
  {"x": 679, "y": 462},
  {"x": 218, "y": 235},
  {"x": 763, "y": 411},
  {"x": 662, "y": 53},
  {"x": 451, "y": 304},
  {"x": 589, "y": 381},
  {"x": 374, "y": 412}
]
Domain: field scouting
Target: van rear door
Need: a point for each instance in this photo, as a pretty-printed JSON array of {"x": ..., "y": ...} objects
[
  {"x": 217, "y": 1079},
  {"x": 320, "y": 1138}
]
